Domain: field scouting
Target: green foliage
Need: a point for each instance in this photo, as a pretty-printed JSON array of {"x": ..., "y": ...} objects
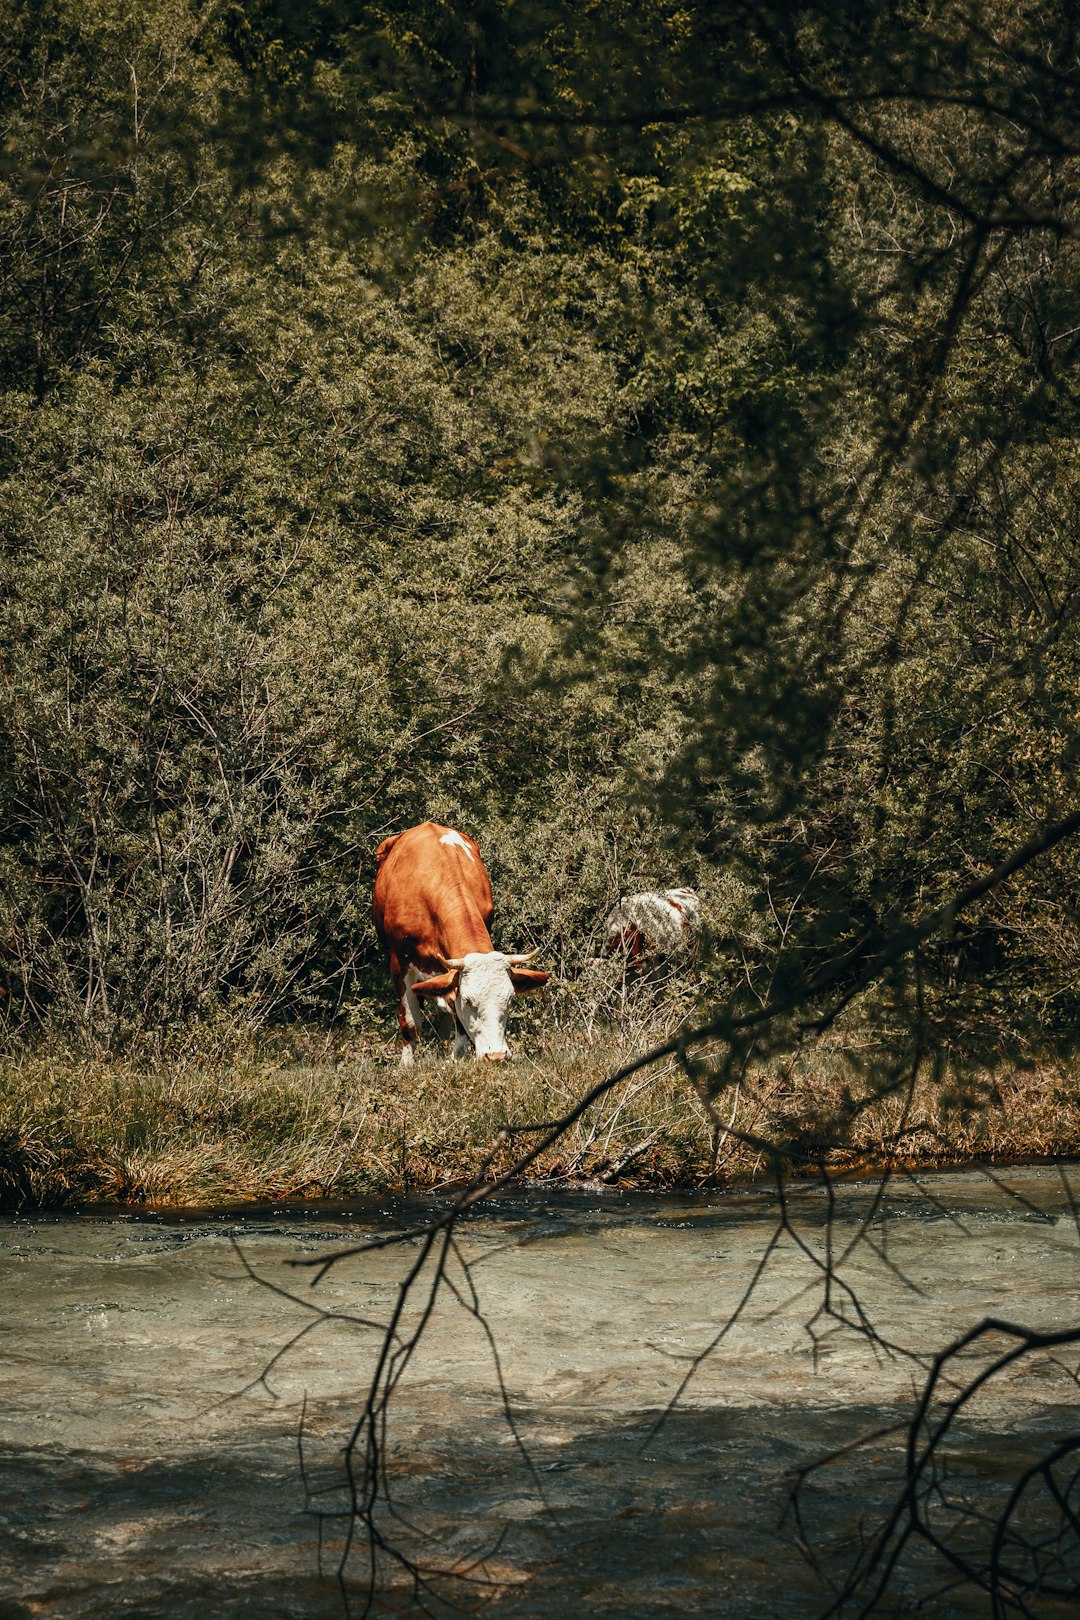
[{"x": 643, "y": 435}]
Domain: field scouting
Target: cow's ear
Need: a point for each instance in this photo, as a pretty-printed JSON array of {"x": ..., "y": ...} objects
[
  {"x": 526, "y": 979},
  {"x": 440, "y": 985}
]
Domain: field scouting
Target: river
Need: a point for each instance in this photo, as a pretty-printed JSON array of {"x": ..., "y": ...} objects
[{"x": 148, "y": 1467}]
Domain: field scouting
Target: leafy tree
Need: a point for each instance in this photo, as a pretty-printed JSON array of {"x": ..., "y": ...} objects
[{"x": 640, "y": 433}]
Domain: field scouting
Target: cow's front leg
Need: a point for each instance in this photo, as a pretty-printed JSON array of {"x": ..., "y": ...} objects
[
  {"x": 450, "y": 1028},
  {"x": 410, "y": 1035},
  {"x": 462, "y": 1043},
  {"x": 409, "y": 1022},
  {"x": 447, "y": 1022},
  {"x": 408, "y": 1017}
]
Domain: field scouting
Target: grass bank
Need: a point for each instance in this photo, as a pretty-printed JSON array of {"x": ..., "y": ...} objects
[{"x": 308, "y": 1123}]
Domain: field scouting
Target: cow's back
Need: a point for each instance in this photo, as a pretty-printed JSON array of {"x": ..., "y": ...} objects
[
  {"x": 432, "y": 893},
  {"x": 654, "y": 923}
]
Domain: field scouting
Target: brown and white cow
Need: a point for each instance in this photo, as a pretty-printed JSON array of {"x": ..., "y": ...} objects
[{"x": 433, "y": 912}]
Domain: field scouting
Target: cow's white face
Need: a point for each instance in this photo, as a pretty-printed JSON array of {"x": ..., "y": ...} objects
[
  {"x": 480, "y": 987},
  {"x": 484, "y": 993}
]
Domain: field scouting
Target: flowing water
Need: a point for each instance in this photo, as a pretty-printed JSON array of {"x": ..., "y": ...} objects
[{"x": 149, "y": 1460}]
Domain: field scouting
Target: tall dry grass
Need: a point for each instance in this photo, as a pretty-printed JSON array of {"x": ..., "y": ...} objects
[{"x": 306, "y": 1119}]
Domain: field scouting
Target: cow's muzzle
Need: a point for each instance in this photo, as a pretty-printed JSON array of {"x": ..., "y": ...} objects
[{"x": 495, "y": 1057}]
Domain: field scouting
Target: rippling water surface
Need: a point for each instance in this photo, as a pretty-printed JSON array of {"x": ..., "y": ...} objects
[{"x": 148, "y": 1467}]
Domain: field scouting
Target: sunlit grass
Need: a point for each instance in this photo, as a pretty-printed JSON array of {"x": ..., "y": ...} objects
[{"x": 309, "y": 1121}]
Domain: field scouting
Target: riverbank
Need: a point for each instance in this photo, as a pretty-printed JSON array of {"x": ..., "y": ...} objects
[{"x": 308, "y": 1122}]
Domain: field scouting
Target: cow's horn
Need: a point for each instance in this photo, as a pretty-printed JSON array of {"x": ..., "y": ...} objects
[
  {"x": 522, "y": 956},
  {"x": 451, "y": 963}
]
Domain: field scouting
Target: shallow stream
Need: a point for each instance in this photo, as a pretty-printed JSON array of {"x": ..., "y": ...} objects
[{"x": 148, "y": 1468}]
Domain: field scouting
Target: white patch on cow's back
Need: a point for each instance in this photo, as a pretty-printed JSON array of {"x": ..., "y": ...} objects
[{"x": 454, "y": 840}]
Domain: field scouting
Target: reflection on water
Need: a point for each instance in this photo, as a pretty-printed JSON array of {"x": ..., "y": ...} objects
[{"x": 146, "y": 1470}]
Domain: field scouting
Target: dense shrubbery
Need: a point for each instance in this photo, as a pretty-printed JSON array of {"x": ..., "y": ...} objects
[{"x": 598, "y": 427}]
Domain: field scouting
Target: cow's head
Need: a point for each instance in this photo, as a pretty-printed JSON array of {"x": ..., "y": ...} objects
[
  {"x": 480, "y": 988},
  {"x": 624, "y": 940}
]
